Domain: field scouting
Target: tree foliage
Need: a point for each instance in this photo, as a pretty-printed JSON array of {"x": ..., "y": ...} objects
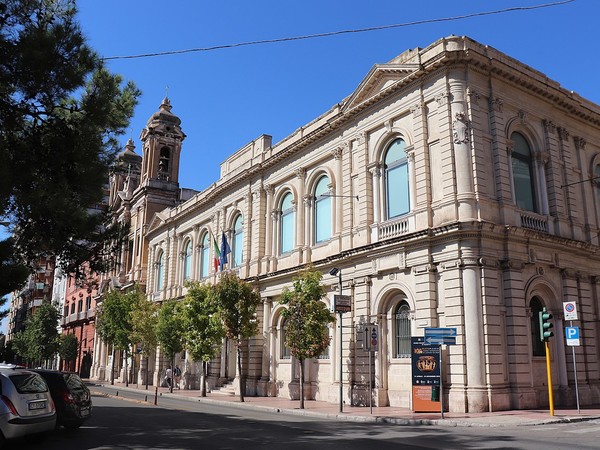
[
  {"x": 113, "y": 318},
  {"x": 237, "y": 302},
  {"x": 38, "y": 342},
  {"x": 67, "y": 347},
  {"x": 61, "y": 112},
  {"x": 143, "y": 319},
  {"x": 203, "y": 329},
  {"x": 307, "y": 319},
  {"x": 169, "y": 330},
  {"x": 113, "y": 321}
]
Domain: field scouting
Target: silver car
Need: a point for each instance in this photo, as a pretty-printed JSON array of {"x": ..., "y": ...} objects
[{"x": 26, "y": 406}]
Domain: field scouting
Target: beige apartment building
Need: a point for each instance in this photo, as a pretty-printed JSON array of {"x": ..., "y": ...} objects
[{"x": 456, "y": 187}]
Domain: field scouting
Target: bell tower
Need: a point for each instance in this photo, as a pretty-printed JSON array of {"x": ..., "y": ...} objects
[{"x": 161, "y": 140}]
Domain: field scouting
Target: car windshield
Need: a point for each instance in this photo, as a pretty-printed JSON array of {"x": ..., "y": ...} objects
[{"x": 29, "y": 383}]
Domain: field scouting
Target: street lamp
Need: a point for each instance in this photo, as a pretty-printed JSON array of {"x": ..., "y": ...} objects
[{"x": 333, "y": 272}]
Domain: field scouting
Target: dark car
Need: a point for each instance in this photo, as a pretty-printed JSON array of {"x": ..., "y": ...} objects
[{"x": 71, "y": 397}]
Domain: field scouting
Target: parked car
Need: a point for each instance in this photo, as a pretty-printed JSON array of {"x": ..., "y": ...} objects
[
  {"x": 71, "y": 396},
  {"x": 26, "y": 406}
]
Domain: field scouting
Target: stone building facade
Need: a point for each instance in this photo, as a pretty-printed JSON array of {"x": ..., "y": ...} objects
[{"x": 456, "y": 187}]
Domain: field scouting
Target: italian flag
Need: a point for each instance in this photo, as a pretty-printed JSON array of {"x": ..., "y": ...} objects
[{"x": 216, "y": 254}]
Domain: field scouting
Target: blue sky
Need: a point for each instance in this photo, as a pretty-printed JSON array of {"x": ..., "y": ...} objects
[{"x": 226, "y": 98}]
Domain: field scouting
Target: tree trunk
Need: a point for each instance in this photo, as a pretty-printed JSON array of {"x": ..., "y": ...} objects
[
  {"x": 112, "y": 367},
  {"x": 172, "y": 374},
  {"x": 241, "y": 378},
  {"x": 125, "y": 365},
  {"x": 301, "y": 383},
  {"x": 147, "y": 370},
  {"x": 203, "y": 380}
]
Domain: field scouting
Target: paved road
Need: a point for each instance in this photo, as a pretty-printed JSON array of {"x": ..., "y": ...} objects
[{"x": 130, "y": 423}]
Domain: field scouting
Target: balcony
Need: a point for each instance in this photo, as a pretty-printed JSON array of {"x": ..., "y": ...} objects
[
  {"x": 534, "y": 221},
  {"x": 393, "y": 228}
]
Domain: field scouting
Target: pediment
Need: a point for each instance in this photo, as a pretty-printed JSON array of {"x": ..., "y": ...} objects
[
  {"x": 380, "y": 79},
  {"x": 157, "y": 220}
]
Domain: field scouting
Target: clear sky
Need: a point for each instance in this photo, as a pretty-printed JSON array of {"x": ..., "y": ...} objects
[{"x": 228, "y": 97}]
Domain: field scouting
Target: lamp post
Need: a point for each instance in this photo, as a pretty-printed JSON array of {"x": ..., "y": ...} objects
[{"x": 335, "y": 271}]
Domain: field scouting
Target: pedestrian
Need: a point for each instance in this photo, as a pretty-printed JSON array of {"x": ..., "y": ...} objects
[
  {"x": 169, "y": 376},
  {"x": 177, "y": 374}
]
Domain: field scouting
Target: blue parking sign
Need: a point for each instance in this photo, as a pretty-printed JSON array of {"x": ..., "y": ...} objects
[{"x": 572, "y": 336}]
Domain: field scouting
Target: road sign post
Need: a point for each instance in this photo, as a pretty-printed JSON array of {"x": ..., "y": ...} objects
[
  {"x": 440, "y": 336},
  {"x": 371, "y": 340},
  {"x": 572, "y": 337}
]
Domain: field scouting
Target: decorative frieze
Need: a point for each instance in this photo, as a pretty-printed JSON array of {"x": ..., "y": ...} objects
[
  {"x": 417, "y": 110},
  {"x": 549, "y": 126},
  {"x": 496, "y": 104},
  {"x": 579, "y": 142},
  {"x": 443, "y": 98},
  {"x": 460, "y": 128},
  {"x": 473, "y": 95},
  {"x": 563, "y": 133}
]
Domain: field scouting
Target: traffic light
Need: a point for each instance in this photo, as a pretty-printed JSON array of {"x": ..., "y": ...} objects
[{"x": 545, "y": 325}]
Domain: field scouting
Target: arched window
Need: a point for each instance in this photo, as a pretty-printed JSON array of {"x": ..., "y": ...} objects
[
  {"x": 238, "y": 241},
  {"x": 522, "y": 169},
  {"x": 285, "y": 350},
  {"x": 537, "y": 346},
  {"x": 322, "y": 210},
  {"x": 187, "y": 260},
  {"x": 402, "y": 333},
  {"x": 204, "y": 256},
  {"x": 163, "y": 163},
  {"x": 597, "y": 182},
  {"x": 159, "y": 272},
  {"x": 287, "y": 223},
  {"x": 396, "y": 180}
]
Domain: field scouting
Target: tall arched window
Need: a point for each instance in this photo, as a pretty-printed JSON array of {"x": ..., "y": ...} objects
[
  {"x": 159, "y": 272},
  {"x": 402, "y": 332},
  {"x": 287, "y": 223},
  {"x": 522, "y": 169},
  {"x": 238, "y": 241},
  {"x": 322, "y": 210},
  {"x": 204, "y": 256},
  {"x": 396, "y": 180},
  {"x": 597, "y": 182},
  {"x": 187, "y": 260},
  {"x": 537, "y": 346}
]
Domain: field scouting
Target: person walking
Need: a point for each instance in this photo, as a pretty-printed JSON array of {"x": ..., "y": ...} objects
[
  {"x": 177, "y": 374},
  {"x": 169, "y": 377}
]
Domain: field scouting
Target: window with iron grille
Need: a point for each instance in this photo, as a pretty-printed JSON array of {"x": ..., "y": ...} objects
[{"x": 402, "y": 330}]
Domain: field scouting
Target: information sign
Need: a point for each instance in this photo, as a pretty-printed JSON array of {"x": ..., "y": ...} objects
[{"x": 342, "y": 303}]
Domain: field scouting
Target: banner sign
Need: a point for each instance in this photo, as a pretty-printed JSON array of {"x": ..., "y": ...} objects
[{"x": 425, "y": 375}]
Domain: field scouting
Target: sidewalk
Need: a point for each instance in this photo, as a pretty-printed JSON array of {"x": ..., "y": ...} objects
[{"x": 385, "y": 414}]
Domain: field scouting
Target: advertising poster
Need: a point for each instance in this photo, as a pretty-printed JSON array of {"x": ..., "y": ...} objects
[{"x": 425, "y": 376}]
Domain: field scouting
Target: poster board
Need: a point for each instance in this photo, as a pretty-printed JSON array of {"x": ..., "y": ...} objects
[{"x": 425, "y": 376}]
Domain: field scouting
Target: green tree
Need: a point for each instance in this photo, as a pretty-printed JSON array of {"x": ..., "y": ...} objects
[
  {"x": 237, "y": 302},
  {"x": 307, "y": 320},
  {"x": 38, "y": 342},
  {"x": 114, "y": 325},
  {"x": 203, "y": 327},
  {"x": 61, "y": 112},
  {"x": 67, "y": 348},
  {"x": 143, "y": 319},
  {"x": 169, "y": 331}
]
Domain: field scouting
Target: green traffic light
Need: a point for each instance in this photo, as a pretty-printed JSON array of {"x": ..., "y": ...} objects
[{"x": 545, "y": 325}]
